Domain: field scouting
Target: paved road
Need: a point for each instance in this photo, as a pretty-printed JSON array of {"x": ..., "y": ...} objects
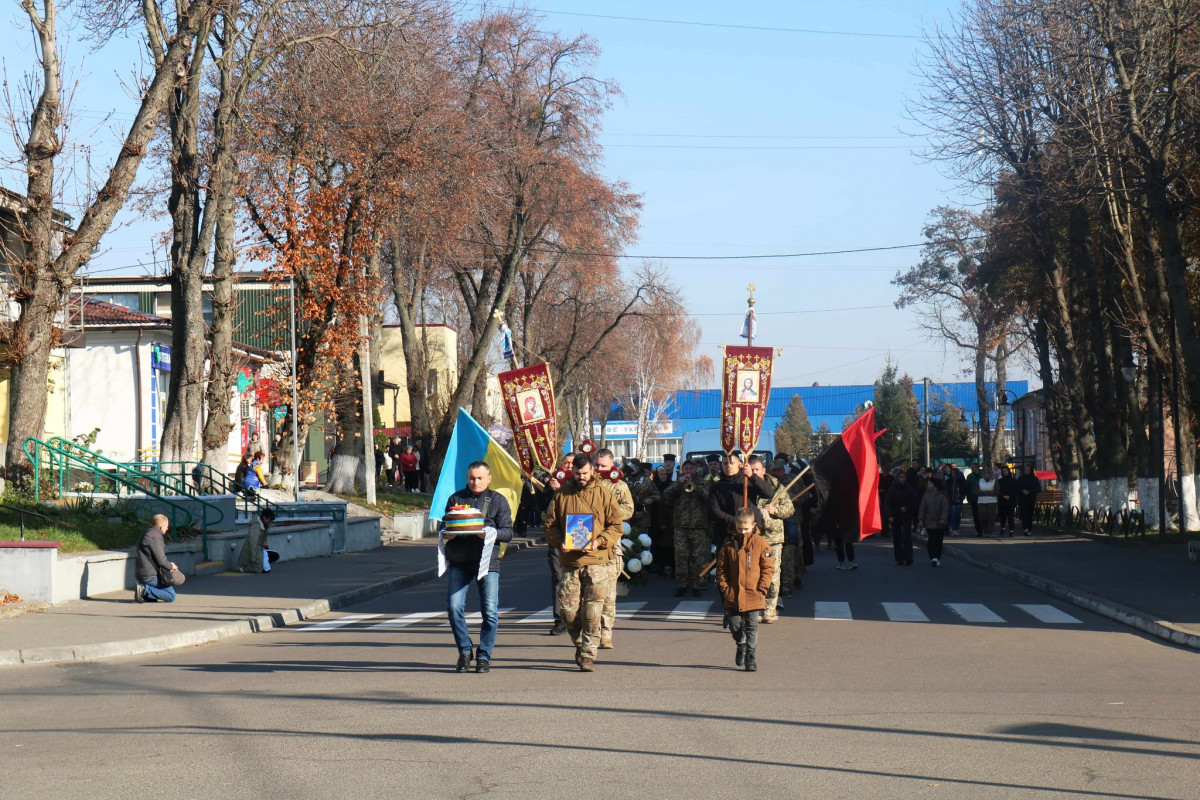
[{"x": 992, "y": 691}]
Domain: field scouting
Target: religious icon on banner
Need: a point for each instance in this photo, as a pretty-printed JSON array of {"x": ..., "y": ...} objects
[
  {"x": 745, "y": 390},
  {"x": 528, "y": 396}
]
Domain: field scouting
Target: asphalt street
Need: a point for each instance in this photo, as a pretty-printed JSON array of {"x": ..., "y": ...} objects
[{"x": 884, "y": 682}]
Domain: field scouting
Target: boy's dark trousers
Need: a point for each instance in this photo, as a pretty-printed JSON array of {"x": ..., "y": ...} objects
[
  {"x": 744, "y": 627},
  {"x": 934, "y": 544}
]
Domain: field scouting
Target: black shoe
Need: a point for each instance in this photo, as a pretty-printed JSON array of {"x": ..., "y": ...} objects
[
  {"x": 725, "y": 621},
  {"x": 559, "y": 628},
  {"x": 740, "y": 658},
  {"x": 697, "y": 592},
  {"x": 483, "y": 665},
  {"x": 751, "y": 664},
  {"x": 464, "y": 662},
  {"x": 139, "y": 592},
  {"x": 680, "y": 592}
]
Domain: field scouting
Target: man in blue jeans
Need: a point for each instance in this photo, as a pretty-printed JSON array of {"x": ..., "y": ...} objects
[
  {"x": 151, "y": 554},
  {"x": 474, "y": 558}
]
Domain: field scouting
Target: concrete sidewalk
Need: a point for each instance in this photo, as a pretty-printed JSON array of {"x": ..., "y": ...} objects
[
  {"x": 211, "y": 607},
  {"x": 1152, "y": 587}
]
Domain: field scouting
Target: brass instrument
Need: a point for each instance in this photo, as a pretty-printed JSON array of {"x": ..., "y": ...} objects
[{"x": 688, "y": 486}]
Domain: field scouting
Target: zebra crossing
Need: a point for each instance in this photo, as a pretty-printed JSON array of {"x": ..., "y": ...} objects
[{"x": 701, "y": 610}]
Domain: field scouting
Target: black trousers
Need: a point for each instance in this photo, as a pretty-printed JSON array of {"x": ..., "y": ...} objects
[
  {"x": 902, "y": 544},
  {"x": 1027, "y": 513},
  {"x": 933, "y": 545},
  {"x": 1007, "y": 516},
  {"x": 845, "y": 550}
]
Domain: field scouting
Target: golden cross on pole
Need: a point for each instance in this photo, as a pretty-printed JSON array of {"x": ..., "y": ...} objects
[{"x": 750, "y": 288}]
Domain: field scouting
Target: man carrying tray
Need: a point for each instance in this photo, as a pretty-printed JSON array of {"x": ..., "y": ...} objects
[
  {"x": 475, "y": 558},
  {"x": 589, "y": 570}
]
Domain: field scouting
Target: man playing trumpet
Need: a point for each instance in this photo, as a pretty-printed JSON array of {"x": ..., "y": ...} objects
[{"x": 688, "y": 500}]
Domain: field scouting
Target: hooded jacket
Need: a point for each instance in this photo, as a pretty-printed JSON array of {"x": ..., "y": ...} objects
[
  {"x": 744, "y": 570},
  {"x": 591, "y": 498}
]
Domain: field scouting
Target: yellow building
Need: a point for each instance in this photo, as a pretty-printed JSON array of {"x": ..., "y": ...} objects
[{"x": 440, "y": 345}]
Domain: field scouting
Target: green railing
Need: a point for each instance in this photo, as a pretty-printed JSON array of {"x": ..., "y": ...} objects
[
  {"x": 68, "y": 465},
  {"x": 220, "y": 483}
]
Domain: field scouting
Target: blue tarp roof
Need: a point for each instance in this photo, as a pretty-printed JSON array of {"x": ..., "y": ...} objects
[{"x": 701, "y": 409}]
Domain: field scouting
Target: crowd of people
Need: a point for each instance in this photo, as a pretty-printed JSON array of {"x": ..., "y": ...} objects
[{"x": 403, "y": 465}]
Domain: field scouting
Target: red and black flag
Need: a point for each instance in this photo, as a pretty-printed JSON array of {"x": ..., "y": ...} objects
[{"x": 847, "y": 477}]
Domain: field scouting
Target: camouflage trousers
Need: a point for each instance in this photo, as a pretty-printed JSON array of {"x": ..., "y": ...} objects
[
  {"x": 773, "y": 589},
  {"x": 693, "y": 549},
  {"x": 608, "y": 615},
  {"x": 581, "y": 594}
]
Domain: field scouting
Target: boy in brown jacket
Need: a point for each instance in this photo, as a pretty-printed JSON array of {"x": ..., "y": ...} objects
[{"x": 744, "y": 571}]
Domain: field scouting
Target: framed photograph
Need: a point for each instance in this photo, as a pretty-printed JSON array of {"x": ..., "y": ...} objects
[
  {"x": 747, "y": 386},
  {"x": 530, "y": 404},
  {"x": 580, "y": 529}
]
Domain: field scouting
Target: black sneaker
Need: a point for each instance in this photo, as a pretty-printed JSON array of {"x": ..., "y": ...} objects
[
  {"x": 559, "y": 628},
  {"x": 464, "y": 662},
  {"x": 740, "y": 658},
  {"x": 483, "y": 665},
  {"x": 751, "y": 664}
]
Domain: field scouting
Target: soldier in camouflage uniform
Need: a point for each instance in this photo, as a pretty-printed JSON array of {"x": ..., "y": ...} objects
[
  {"x": 791, "y": 537},
  {"x": 688, "y": 499},
  {"x": 774, "y": 512},
  {"x": 624, "y": 498}
]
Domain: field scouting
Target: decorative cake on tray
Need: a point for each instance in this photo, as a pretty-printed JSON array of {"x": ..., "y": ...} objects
[{"x": 464, "y": 519}]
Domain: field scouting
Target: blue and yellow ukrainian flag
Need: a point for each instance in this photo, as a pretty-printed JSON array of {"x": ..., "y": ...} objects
[{"x": 470, "y": 442}]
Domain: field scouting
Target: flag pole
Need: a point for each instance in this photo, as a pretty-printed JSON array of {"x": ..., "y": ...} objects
[{"x": 749, "y": 343}]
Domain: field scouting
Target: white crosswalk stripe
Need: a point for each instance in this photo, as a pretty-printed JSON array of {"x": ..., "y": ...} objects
[
  {"x": 627, "y": 610},
  {"x": 974, "y": 612},
  {"x": 406, "y": 620},
  {"x": 545, "y": 615},
  {"x": 827, "y": 610},
  {"x": 690, "y": 610},
  {"x": 340, "y": 622},
  {"x": 1049, "y": 614},
  {"x": 904, "y": 612}
]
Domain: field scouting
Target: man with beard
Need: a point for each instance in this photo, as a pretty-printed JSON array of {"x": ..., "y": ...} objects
[{"x": 589, "y": 573}]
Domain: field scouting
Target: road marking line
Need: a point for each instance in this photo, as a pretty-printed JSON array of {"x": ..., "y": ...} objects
[
  {"x": 406, "y": 620},
  {"x": 340, "y": 622},
  {"x": 627, "y": 610},
  {"x": 904, "y": 612},
  {"x": 545, "y": 615},
  {"x": 691, "y": 610},
  {"x": 974, "y": 612},
  {"x": 1049, "y": 614},
  {"x": 476, "y": 618},
  {"x": 827, "y": 610}
]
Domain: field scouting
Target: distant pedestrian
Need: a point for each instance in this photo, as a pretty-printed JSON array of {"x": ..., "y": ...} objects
[
  {"x": 256, "y": 555},
  {"x": 422, "y": 451},
  {"x": 744, "y": 572},
  {"x": 1006, "y": 501},
  {"x": 394, "y": 450},
  {"x": 900, "y": 505},
  {"x": 973, "y": 494},
  {"x": 934, "y": 516},
  {"x": 154, "y": 572},
  {"x": 956, "y": 492},
  {"x": 410, "y": 467},
  {"x": 985, "y": 519},
  {"x": 1028, "y": 487}
]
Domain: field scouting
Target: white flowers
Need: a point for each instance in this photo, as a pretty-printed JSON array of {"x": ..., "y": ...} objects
[
  {"x": 644, "y": 539},
  {"x": 633, "y": 566},
  {"x": 646, "y": 558},
  {"x": 714, "y": 549},
  {"x": 626, "y": 544},
  {"x": 625, "y": 529}
]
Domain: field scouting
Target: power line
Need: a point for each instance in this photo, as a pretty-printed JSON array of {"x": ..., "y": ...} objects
[
  {"x": 726, "y": 25},
  {"x": 758, "y": 147}
]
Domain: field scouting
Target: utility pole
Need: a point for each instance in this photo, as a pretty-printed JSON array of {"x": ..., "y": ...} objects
[
  {"x": 925, "y": 416},
  {"x": 364, "y": 360},
  {"x": 295, "y": 406}
]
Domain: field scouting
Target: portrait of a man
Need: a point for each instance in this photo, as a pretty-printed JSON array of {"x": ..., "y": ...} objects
[{"x": 747, "y": 386}]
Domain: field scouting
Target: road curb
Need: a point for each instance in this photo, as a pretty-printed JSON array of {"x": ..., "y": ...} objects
[
  {"x": 1098, "y": 605},
  {"x": 256, "y": 623}
]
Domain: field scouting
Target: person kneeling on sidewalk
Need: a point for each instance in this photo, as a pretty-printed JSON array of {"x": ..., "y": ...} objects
[
  {"x": 744, "y": 571},
  {"x": 475, "y": 558},
  {"x": 156, "y": 576}
]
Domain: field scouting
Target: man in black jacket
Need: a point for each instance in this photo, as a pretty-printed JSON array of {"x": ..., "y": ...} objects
[
  {"x": 151, "y": 554},
  {"x": 475, "y": 558},
  {"x": 725, "y": 496},
  {"x": 1028, "y": 487},
  {"x": 900, "y": 506}
]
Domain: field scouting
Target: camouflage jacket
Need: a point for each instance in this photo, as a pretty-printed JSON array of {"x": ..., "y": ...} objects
[
  {"x": 624, "y": 497},
  {"x": 783, "y": 509},
  {"x": 690, "y": 509}
]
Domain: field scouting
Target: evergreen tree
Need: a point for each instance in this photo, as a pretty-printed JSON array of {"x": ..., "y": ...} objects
[
  {"x": 896, "y": 409},
  {"x": 794, "y": 432},
  {"x": 820, "y": 439},
  {"x": 949, "y": 433}
]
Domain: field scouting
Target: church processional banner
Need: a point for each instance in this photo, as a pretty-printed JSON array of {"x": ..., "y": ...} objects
[
  {"x": 745, "y": 389},
  {"x": 529, "y": 400}
]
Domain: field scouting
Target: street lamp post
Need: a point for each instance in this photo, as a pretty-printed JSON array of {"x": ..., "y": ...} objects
[{"x": 1002, "y": 406}]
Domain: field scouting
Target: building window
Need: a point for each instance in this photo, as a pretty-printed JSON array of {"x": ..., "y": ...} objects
[{"x": 124, "y": 299}]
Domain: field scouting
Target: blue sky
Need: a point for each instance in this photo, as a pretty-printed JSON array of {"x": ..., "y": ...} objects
[{"x": 741, "y": 142}]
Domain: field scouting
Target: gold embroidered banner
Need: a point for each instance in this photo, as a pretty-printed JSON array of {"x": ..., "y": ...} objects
[
  {"x": 745, "y": 390},
  {"x": 529, "y": 400}
]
